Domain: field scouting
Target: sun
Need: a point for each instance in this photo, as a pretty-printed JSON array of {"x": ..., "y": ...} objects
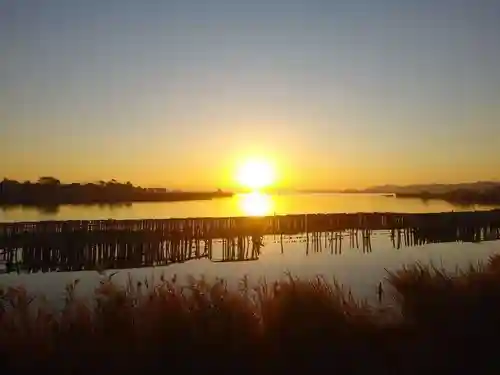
[{"x": 256, "y": 174}]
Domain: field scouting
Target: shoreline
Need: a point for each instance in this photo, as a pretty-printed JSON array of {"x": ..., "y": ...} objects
[
  {"x": 467, "y": 198},
  {"x": 106, "y": 201},
  {"x": 50, "y": 192}
]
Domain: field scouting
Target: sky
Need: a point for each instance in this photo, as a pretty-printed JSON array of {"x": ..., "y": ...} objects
[{"x": 338, "y": 94}]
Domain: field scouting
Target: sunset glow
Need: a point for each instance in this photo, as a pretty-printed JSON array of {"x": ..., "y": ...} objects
[
  {"x": 178, "y": 96},
  {"x": 256, "y": 174},
  {"x": 256, "y": 204}
]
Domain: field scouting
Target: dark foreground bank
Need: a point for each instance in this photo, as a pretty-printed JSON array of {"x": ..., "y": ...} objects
[{"x": 439, "y": 323}]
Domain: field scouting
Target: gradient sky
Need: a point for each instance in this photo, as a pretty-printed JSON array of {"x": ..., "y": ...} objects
[{"x": 338, "y": 93}]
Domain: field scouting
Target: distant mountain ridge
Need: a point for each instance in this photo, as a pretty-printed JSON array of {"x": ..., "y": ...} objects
[
  {"x": 415, "y": 188},
  {"x": 432, "y": 188}
]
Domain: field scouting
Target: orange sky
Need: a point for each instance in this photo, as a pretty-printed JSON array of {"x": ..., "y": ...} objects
[{"x": 339, "y": 95}]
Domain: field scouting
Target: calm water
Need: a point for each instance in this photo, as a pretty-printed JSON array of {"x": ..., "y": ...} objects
[
  {"x": 362, "y": 271},
  {"x": 239, "y": 205},
  {"x": 359, "y": 270}
]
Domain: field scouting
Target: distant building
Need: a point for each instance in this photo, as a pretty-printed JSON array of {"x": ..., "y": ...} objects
[{"x": 157, "y": 190}]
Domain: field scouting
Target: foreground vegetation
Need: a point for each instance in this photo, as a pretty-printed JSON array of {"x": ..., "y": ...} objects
[{"x": 439, "y": 323}]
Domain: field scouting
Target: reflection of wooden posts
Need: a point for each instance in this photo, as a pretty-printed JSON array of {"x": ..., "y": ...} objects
[
  {"x": 12, "y": 265},
  {"x": 76, "y": 245},
  {"x": 197, "y": 248},
  {"x": 238, "y": 249},
  {"x": 338, "y": 242},
  {"x": 241, "y": 247},
  {"x": 330, "y": 241},
  {"x": 208, "y": 248},
  {"x": 367, "y": 242},
  {"x": 256, "y": 244},
  {"x": 407, "y": 237},
  {"x": 307, "y": 243}
]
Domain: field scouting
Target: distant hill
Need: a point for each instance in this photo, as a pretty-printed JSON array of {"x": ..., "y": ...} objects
[
  {"x": 417, "y": 188},
  {"x": 477, "y": 186},
  {"x": 432, "y": 188},
  {"x": 467, "y": 193}
]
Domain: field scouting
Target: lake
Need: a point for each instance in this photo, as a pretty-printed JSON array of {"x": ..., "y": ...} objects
[
  {"x": 353, "y": 265},
  {"x": 238, "y": 205}
]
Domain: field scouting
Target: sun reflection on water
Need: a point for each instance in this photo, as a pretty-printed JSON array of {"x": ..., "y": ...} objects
[{"x": 256, "y": 204}]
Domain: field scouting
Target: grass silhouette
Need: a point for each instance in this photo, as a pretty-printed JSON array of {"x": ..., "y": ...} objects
[{"x": 440, "y": 321}]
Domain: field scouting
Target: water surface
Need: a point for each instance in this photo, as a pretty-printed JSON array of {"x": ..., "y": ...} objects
[
  {"x": 239, "y": 205},
  {"x": 355, "y": 267},
  {"x": 358, "y": 268}
]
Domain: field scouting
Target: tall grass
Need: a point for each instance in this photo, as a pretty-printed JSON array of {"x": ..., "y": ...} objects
[{"x": 441, "y": 322}]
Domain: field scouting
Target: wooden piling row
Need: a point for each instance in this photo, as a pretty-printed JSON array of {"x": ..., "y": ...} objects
[
  {"x": 103, "y": 244},
  {"x": 245, "y": 226}
]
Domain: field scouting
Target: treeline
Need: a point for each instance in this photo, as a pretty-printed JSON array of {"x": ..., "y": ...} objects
[
  {"x": 49, "y": 191},
  {"x": 489, "y": 196}
]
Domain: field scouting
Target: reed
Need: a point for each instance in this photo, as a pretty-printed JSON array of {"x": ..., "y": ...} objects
[{"x": 439, "y": 321}]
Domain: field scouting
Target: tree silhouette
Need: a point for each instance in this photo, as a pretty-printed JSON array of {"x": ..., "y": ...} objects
[
  {"x": 49, "y": 191},
  {"x": 46, "y": 180}
]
